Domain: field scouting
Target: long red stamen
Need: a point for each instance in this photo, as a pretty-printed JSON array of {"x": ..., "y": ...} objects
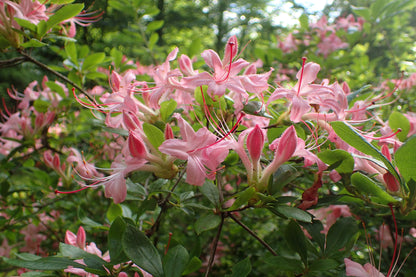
[
  {"x": 385, "y": 137},
  {"x": 209, "y": 113},
  {"x": 167, "y": 246},
  {"x": 301, "y": 74},
  {"x": 231, "y": 60},
  {"x": 70, "y": 192},
  {"x": 395, "y": 240}
]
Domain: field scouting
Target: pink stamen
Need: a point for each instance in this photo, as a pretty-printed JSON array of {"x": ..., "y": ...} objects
[
  {"x": 70, "y": 192},
  {"x": 301, "y": 74},
  {"x": 5, "y": 107}
]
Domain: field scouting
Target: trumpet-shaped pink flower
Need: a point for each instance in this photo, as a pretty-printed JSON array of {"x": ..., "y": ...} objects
[
  {"x": 199, "y": 148},
  {"x": 357, "y": 270},
  {"x": 32, "y": 11}
]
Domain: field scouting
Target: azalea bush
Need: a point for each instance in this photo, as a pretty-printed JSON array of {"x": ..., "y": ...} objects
[{"x": 289, "y": 164}]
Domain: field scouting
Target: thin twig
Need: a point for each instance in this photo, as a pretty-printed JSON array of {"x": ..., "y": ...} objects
[
  {"x": 163, "y": 207},
  {"x": 63, "y": 77},
  {"x": 12, "y": 62},
  {"x": 252, "y": 234},
  {"x": 214, "y": 246}
]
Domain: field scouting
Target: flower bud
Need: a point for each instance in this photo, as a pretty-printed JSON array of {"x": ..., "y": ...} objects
[
  {"x": 136, "y": 146},
  {"x": 255, "y": 143}
]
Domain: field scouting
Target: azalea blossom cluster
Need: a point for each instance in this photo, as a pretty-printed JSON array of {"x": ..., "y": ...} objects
[{"x": 34, "y": 12}]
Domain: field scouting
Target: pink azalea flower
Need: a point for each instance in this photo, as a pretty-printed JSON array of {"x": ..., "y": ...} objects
[
  {"x": 357, "y": 270},
  {"x": 199, "y": 148},
  {"x": 330, "y": 44},
  {"x": 29, "y": 10}
]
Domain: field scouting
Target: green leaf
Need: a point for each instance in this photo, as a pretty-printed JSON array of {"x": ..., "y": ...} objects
[
  {"x": 154, "y": 25},
  {"x": 405, "y": 159},
  {"x": 285, "y": 264},
  {"x": 350, "y": 136},
  {"x": 175, "y": 261},
  {"x": 47, "y": 263},
  {"x": 340, "y": 234},
  {"x": 207, "y": 222},
  {"x": 193, "y": 265},
  {"x": 367, "y": 186},
  {"x": 114, "y": 211},
  {"x": 323, "y": 265},
  {"x": 25, "y": 24},
  {"x": 291, "y": 212},
  {"x": 33, "y": 43},
  {"x": 64, "y": 13},
  {"x": 71, "y": 52},
  {"x": 296, "y": 240},
  {"x": 315, "y": 231},
  {"x": 167, "y": 108},
  {"x": 56, "y": 88},
  {"x": 210, "y": 191},
  {"x": 363, "y": 12},
  {"x": 61, "y": 2},
  {"x": 304, "y": 21},
  {"x": 283, "y": 176},
  {"x": 154, "y": 134},
  {"x": 41, "y": 106},
  {"x": 242, "y": 268},
  {"x": 141, "y": 251},
  {"x": 93, "y": 61},
  {"x": 115, "y": 238},
  {"x": 398, "y": 120},
  {"x": 153, "y": 40},
  {"x": 342, "y": 159},
  {"x": 242, "y": 198}
]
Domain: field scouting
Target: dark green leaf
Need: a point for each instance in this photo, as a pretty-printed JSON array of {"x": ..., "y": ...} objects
[
  {"x": 340, "y": 234},
  {"x": 405, "y": 159},
  {"x": 115, "y": 238},
  {"x": 210, "y": 191},
  {"x": 242, "y": 198},
  {"x": 175, "y": 261},
  {"x": 283, "y": 176},
  {"x": 368, "y": 187},
  {"x": 350, "y": 136},
  {"x": 141, "y": 251},
  {"x": 285, "y": 264},
  {"x": 323, "y": 265},
  {"x": 47, "y": 263},
  {"x": 296, "y": 240},
  {"x": 343, "y": 159},
  {"x": 207, "y": 222},
  {"x": 292, "y": 212},
  {"x": 193, "y": 265},
  {"x": 242, "y": 268}
]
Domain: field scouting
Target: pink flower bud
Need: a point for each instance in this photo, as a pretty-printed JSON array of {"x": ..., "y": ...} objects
[
  {"x": 115, "y": 81},
  {"x": 255, "y": 142},
  {"x": 56, "y": 162},
  {"x": 185, "y": 65},
  {"x": 131, "y": 121},
  {"x": 136, "y": 146},
  {"x": 168, "y": 132},
  {"x": 391, "y": 182},
  {"x": 287, "y": 144},
  {"x": 48, "y": 159},
  {"x": 81, "y": 237}
]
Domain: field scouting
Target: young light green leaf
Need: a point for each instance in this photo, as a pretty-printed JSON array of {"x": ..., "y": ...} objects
[
  {"x": 154, "y": 134},
  {"x": 399, "y": 121},
  {"x": 141, "y": 251},
  {"x": 175, "y": 261},
  {"x": 64, "y": 13},
  {"x": 167, "y": 108},
  {"x": 242, "y": 198},
  {"x": 154, "y": 25},
  {"x": 343, "y": 160},
  {"x": 114, "y": 211},
  {"x": 93, "y": 61}
]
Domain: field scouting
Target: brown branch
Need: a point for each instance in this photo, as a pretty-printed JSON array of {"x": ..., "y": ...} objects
[
  {"x": 214, "y": 245},
  {"x": 59, "y": 75},
  {"x": 268, "y": 247},
  {"x": 12, "y": 62}
]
